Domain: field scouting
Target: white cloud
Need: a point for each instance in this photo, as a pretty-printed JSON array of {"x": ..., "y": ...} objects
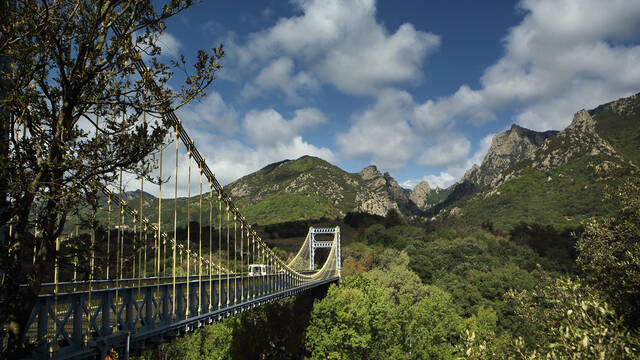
[
  {"x": 449, "y": 150},
  {"x": 280, "y": 75},
  {"x": 338, "y": 42},
  {"x": 455, "y": 169},
  {"x": 382, "y": 132},
  {"x": 307, "y": 117},
  {"x": 391, "y": 134},
  {"x": 228, "y": 158},
  {"x": 270, "y": 138},
  {"x": 169, "y": 44},
  {"x": 267, "y": 128},
  {"x": 563, "y": 56},
  {"x": 443, "y": 180},
  {"x": 211, "y": 114}
]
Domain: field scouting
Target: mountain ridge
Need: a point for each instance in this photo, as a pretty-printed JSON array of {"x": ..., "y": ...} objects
[
  {"x": 312, "y": 187},
  {"x": 564, "y": 180}
]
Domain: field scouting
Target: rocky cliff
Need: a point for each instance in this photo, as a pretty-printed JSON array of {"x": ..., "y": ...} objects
[
  {"x": 507, "y": 148},
  {"x": 382, "y": 193},
  {"x": 419, "y": 194}
]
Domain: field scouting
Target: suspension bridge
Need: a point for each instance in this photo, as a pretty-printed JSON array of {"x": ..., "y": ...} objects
[{"x": 132, "y": 276}]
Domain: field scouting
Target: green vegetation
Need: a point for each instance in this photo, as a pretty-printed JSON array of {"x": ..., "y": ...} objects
[
  {"x": 621, "y": 131},
  {"x": 608, "y": 253},
  {"x": 286, "y": 207},
  {"x": 306, "y": 188},
  {"x": 562, "y": 197},
  {"x": 438, "y": 196}
]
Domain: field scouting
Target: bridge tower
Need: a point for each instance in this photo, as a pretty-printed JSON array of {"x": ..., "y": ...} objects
[{"x": 314, "y": 244}]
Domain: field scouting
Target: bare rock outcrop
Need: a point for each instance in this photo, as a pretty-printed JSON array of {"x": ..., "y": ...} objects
[
  {"x": 419, "y": 194},
  {"x": 507, "y": 148},
  {"x": 382, "y": 193}
]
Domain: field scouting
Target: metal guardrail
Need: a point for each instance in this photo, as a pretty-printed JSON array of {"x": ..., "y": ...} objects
[{"x": 84, "y": 324}]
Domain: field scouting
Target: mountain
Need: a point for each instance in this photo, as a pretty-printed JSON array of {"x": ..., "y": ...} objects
[
  {"x": 563, "y": 180},
  {"x": 310, "y": 187},
  {"x": 507, "y": 148},
  {"x": 127, "y": 195}
]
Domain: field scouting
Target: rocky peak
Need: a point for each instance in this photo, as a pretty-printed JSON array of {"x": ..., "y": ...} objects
[
  {"x": 578, "y": 139},
  {"x": 472, "y": 174},
  {"x": 383, "y": 193},
  {"x": 507, "y": 148},
  {"x": 424, "y": 187},
  {"x": 419, "y": 194},
  {"x": 583, "y": 122},
  {"x": 370, "y": 172}
]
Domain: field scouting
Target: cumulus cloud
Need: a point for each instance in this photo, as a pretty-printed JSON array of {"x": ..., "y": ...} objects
[
  {"x": 270, "y": 138},
  {"x": 382, "y": 132},
  {"x": 269, "y": 128},
  {"x": 169, "y": 44},
  {"x": 446, "y": 152},
  {"x": 210, "y": 114},
  {"x": 390, "y": 134},
  {"x": 280, "y": 75},
  {"x": 563, "y": 56},
  {"x": 338, "y": 42},
  {"x": 455, "y": 169}
]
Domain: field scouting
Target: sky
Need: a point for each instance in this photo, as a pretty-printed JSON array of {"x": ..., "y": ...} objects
[{"x": 417, "y": 88}]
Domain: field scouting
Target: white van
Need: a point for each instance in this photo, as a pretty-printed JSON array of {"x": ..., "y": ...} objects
[{"x": 257, "y": 270}]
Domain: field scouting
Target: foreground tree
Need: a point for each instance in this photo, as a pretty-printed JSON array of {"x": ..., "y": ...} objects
[
  {"x": 68, "y": 61},
  {"x": 609, "y": 252},
  {"x": 571, "y": 320}
]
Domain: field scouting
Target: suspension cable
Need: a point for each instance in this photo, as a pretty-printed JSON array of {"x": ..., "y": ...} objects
[
  {"x": 75, "y": 259},
  {"x": 242, "y": 281},
  {"x": 188, "y": 226},
  {"x": 135, "y": 247},
  {"x": 108, "y": 234},
  {"x": 235, "y": 259},
  {"x": 159, "y": 233},
  {"x": 200, "y": 250},
  {"x": 220, "y": 248},
  {"x": 210, "y": 247},
  {"x": 92, "y": 255},
  {"x": 142, "y": 230},
  {"x": 175, "y": 228},
  {"x": 228, "y": 258},
  {"x": 56, "y": 271},
  {"x": 119, "y": 242}
]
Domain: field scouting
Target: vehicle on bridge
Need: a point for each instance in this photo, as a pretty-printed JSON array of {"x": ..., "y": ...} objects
[{"x": 257, "y": 270}]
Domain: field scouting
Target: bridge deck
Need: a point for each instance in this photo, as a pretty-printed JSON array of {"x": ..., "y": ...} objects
[{"x": 88, "y": 323}]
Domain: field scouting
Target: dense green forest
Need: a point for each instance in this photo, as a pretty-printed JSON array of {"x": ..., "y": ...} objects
[{"x": 412, "y": 290}]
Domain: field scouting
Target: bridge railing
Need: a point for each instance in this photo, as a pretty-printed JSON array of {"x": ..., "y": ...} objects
[{"x": 94, "y": 321}]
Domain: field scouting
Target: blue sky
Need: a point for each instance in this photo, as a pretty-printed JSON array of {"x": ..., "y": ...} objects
[{"x": 417, "y": 88}]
